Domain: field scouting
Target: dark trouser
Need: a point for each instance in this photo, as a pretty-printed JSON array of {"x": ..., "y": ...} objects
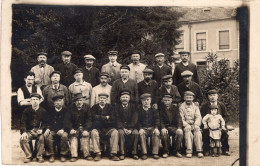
[
  {"x": 128, "y": 142},
  {"x": 223, "y": 140},
  {"x": 176, "y": 140},
  {"x": 155, "y": 141},
  {"x": 61, "y": 141}
]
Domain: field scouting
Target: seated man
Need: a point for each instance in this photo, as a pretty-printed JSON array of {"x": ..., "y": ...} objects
[
  {"x": 126, "y": 118},
  {"x": 78, "y": 124},
  {"x": 33, "y": 124},
  {"x": 55, "y": 130},
  {"x": 149, "y": 122},
  {"x": 171, "y": 125},
  {"x": 104, "y": 123},
  {"x": 191, "y": 119}
]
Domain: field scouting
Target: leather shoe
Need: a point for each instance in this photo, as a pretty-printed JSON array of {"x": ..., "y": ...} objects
[
  {"x": 97, "y": 158},
  {"x": 62, "y": 158},
  {"x": 114, "y": 157},
  {"x": 165, "y": 155},
  {"x": 89, "y": 158},
  {"x": 135, "y": 157},
  {"x": 200, "y": 155},
  {"x": 189, "y": 155},
  {"x": 121, "y": 157},
  {"x": 206, "y": 153},
  {"x": 51, "y": 159},
  {"x": 40, "y": 160},
  {"x": 178, "y": 155},
  {"x": 144, "y": 157},
  {"x": 155, "y": 156},
  {"x": 226, "y": 153},
  {"x": 27, "y": 160},
  {"x": 73, "y": 159}
]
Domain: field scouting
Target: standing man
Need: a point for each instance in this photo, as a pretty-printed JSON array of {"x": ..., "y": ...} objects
[
  {"x": 160, "y": 69},
  {"x": 42, "y": 71},
  {"x": 103, "y": 87},
  {"x": 183, "y": 66},
  {"x": 136, "y": 68},
  {"x": 174, "y": 59},
  {"x": 90, "y": 73},
  {"x": 66, "y": 68},
  {"x": 78, "y": 123},
  {"x": 222, "y": 110},
  {"x": 124, "y": 83},
  {"x": 112, "y": 67}
]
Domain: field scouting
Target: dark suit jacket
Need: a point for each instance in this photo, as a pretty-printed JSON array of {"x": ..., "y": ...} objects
[
  {"x": 126, "y": 118},
  {"x": 148, "y": 118},
  {"x": 194, "y": 87},
  {"x": 170, "y": 117},
  {"x": 56, "y": 119},
  {"x": 174, "y": 92},
  {"x": 160, "y": 72},
  {"x": 177, "y": 78}
]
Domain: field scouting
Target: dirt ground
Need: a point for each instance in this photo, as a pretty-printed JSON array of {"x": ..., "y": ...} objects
[{"x": 18, "y": 156}]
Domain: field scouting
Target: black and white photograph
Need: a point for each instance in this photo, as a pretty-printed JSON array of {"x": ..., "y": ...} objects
[{"x": 126, "y": 85}]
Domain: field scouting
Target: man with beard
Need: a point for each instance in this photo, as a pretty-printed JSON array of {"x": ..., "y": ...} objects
[
  {"x": 78, "y": 123},
  {"x": 56, "y": 136},
  {"x": 124, "y": 83},
  {"x": 149, "y": 86},
  {"x": 54, "y": 89},
  {"x": 103, "y": 87},
  {"x": 104, "y": 127},
  {"x": 81, "y": 86},
  {"x": 183, "y": 66},
  {"x": 90, "y": 73},
  {"x": 126, "y": 118},
  {"x": 136, "y": 68},
  {"x": 112, "y": 67},
  {"x": 42, "y": 71},
  {"x": 66, "y": 68},
  {"x": 191, "y": 119},
  {"x": 160, "y": 69},
  {"x": 222, "y": 110},
  {"x": 189, "y": 85}
]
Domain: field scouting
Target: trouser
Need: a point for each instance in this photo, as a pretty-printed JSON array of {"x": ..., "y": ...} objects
[
  {"x": 84, "y": 144},
  {"x": 176, "y": 140},
  {"x": 60, "y": 141},
  {"x": 128, "y": 142},
  {"x": 112, "y": 134},
  {"x": 189, "y": 137},
  {"x": 155, "y": 141},
  {"x": 27, "y": 148},
  {"x": 223, "y": 140}
]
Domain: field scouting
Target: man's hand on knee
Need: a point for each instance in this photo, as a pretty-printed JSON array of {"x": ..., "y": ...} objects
[
  {"x": 85, "y": 133},
  {"x": 47, "y": 133},
  {"x": 24, "y": 136},
  {"x": 156, "y": 132},
  {"x": 196, "y": 128},
  {"x": 179, "y": 131},
  {"x": 60, "y": 132},
  {"x": 73, "y": 132},
  {"x": 187, "y": 128},
  {"x": 164, "y": 131},
  {"x": 141, "y": 132}
]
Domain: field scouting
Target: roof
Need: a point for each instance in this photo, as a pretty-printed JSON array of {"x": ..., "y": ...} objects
[{"x": 206, "y": 13}]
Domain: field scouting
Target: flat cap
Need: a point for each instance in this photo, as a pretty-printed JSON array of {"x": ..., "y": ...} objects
[
  {"x": 104, "y": 74},
  {"x": 184, "y": 52},
  {"x": 148, "y": 70},
  {"x": 125, "y": 67},
  {"x": 103, "y": 94},
  {"x": 136, "y": 52},
  {"x": 66, "y": 53},
  {"x": 36, "y": 95},
  {"x": 41, "y": 53},
  {"x": 78, "y": 96},
  {"x": 166, "y": 77},
  {"x": 112, "y": 52},
  {"x": 145, "y": 95},
  {"x": 159, "y": 54},
  {"x": 78, "y": 70},
  {"x": 167, "y": 95},
  {"x": 125, "y": 92},
  {"x": 212, "y": 91},
  {"x": 213, "y": 106},
  {"x": 189, "y": 93},
  {"x": 89, "y": 57},
  {"x": 186, "y": 73},
  {"x": 54, "y": 98},
  {"x": 55, "y": 72}
]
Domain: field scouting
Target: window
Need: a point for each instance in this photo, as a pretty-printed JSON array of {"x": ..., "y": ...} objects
[
  {"x": 201, "y": 41},
  {"x": 181, "y": 44},
  {"x": 224, "y": 40}
]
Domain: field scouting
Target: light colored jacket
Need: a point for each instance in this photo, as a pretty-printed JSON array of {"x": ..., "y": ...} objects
[
  {"x": 136, "y": 72},
  {"x": 42, "y": 77},
  {"x": 97, "y": 90},
  {"x": 190, "y": 114}
]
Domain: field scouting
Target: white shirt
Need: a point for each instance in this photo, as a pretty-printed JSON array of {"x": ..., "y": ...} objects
[{"x": 20, "y": 96}]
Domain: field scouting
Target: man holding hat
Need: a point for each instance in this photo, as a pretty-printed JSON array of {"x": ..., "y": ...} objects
[
  {"x": 54, "y": 89},
  {"x": 136, "y": 68},
  {"x": 57, "y": 136},
  {"x": 171, "y": 125},
  {"x": 104, "y": 127},
  {"x": 112, "y": 67},
  {"x": 183, "y": 66},
  {"x": 33, "y": 125},
  {"x": 160, "y": 69},
  {"x": 81, "y": 86},
  {"x": 124, "y": 83},
  {"x": 148, "y": 125},
  {"x": 126, "y": 119},
  {"x": 222, "y": 110},
  {"x": 90, "y": 73},
  {"x": 66, "y": 68},
  {"x": 42, "y": 71},
  {"x": 189, "y": 85},
  {"x": 191, "y": 119},
  {"x": 78, "y": 122}
]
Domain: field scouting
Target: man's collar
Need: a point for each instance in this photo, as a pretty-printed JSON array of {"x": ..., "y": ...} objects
[
  {"x": 88, "y": 68},
  {"x": 124, "y": 81},
  {"x": 79, "y": 83},
  {"x": 148, "y": 83},
  {"x": 146, "y": 108},
  {"x": 160, "y": 66},
  {"x": 214, "y": 103},
  {"x": 185, "y": 64},
  {"x": 36, "y": 108},
  {"x": 114, "y": 64},
  {"x": 43, "y": 65},
  {"x": 53, "y": 87},
  {"x": 58, "y": 110},
  {"x": 124, "y": 106},
  {"x": 102, "y": 106}
]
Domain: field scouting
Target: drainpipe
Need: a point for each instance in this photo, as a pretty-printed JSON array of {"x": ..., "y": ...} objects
[{"x": 189, "y": 26}]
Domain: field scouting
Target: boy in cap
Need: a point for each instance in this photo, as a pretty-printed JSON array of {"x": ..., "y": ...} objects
[
  {"x": 112, "y": 67},
  {"x": 78, "y": 123},
  {"x": 90, "y": 73},
  {"x": 42, "y": 71},
  {"x": 214, "y": 122},
  {"x": 66, "y": 68},
  {"x": 55, "y": 128},
  {"x": 171, "y": 125},
  {"x": 33, "y": 125},
  {"x": 183, "y": 66},
  {"x": 103, "y": 87},
  {"x": 81, "y": 86},
  {"x": 191, "y": 119},
  {"x": 160, "y": 69},
  {"x": 54, "y": 89},
  {"x": 126, "y": 119},
  {"x": 148, "y": 124},
  {"x": 104, "y": 127}
]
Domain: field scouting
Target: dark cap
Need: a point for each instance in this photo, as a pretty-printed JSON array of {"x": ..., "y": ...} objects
[
  {"x": 57, "y": 97},
  {"x": 55, "y": 72},
  {"x": 212, "y": 91},
  {"x": 78, "y": 96},
  {"x": 104, "y": 74},
  {"x": 145, "y": 95},
  {"x": 103, "y": 94},
  {"x": 66, "y": 53},
  {"x": 147, "y": 70},
  {"x": 166, "y": 77},
  {"x": 125, "y": 92},
  {"x": 213, "y": 106},
  {"x": 36, "y": 95},
  {"x": 136, "y": 52},
  {"x": 112, "y": 52},
  {"x": 189, "y": 93},
  {"x": 125, "y": 67},
  {"x": 186, "y": 73},
  {"x": 41, "y": 53},
  {"x": 184, "y": 52},
  {"x": 167, "y": 95},
  {"x": 78, "y": 70}
]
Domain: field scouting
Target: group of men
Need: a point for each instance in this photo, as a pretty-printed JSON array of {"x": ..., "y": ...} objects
[{"x": 121, "y": 106}]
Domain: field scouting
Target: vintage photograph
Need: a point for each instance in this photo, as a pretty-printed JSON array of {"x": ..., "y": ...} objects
[{"x": 125, "y": 85}]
